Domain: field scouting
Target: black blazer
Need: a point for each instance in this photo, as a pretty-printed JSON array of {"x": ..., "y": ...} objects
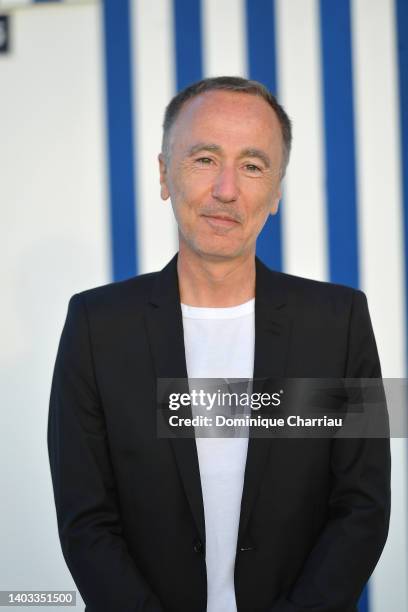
[{"x": 314, "y": 513}]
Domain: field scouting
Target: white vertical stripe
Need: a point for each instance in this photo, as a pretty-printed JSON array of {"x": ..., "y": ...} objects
[
  {"x": 299, "y": 79},
  {"x": 55, "y": 235},
  {"x": 224, "y": 38},
  {"x": 153, "y": 79},
  {"x": 381, "y": 249}
]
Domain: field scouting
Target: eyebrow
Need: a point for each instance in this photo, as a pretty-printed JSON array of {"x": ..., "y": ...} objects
[
  {"x": 214, "y": 148},
  {"x": 203, "y": 146}
]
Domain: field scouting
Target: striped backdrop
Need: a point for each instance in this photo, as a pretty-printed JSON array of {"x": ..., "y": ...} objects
[{"x": 340, "y": 68}]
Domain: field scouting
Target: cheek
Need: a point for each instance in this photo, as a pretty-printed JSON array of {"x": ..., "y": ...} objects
[
  {"x": 192, "y": 190},
  {"x": 265, "y": 196},
  {"x": 262, "y": 202}
]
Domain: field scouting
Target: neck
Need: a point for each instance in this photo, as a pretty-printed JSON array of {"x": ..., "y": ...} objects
[{"x": 215, "y": 283}]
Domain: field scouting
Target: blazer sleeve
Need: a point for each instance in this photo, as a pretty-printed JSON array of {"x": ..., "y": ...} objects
[
  {"x": 353, "y": 538},
  {"x": 86, "y": 502}
]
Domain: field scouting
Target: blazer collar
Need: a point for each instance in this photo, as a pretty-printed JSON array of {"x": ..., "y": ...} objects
[
  {"x": 269, "y": 287},
  {"x": 272, "y": 333}
]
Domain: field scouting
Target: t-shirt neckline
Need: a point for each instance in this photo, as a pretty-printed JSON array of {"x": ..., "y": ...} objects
[{"x": 229, "y": 312}]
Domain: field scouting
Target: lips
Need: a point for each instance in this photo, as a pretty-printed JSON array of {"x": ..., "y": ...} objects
[
  {"x": 221, "y": 222},
  {"x": 221, "y": 218}
]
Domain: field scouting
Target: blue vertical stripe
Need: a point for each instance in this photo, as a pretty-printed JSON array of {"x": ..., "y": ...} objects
[
  {"x": 120, "y": 137},
  {"x": 260, "y": 21},
  {"x": 188, "y": 41},
  {"x": 402, "y": 47},
  {"x": 339, "y": 141}
]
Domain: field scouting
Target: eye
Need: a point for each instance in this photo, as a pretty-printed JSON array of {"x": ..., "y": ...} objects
[
  {"x": 204, "y": 161},
  {"x": 252, "y": 168}
]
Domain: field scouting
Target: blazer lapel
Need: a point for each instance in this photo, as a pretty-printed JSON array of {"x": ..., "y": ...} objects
[
  {"x": 272, "y": 333},
  {"x": 165, "y": 330}
]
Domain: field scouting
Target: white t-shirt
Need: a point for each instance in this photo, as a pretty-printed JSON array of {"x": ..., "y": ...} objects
[{"x": 219, "y": 343}]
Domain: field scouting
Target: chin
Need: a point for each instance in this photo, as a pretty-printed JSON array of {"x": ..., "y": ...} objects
[
  {"x": 212, "y": 247},
  {"x": 218, "y": 251}
]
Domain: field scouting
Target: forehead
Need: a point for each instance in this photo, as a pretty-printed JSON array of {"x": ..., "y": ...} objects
[{"x": 243, "y": 118}]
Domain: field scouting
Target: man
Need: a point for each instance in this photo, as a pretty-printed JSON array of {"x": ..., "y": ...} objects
[{"x": 155, "y": 524}]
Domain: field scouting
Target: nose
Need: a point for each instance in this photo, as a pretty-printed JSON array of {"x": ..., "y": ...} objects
[{"x": 225, "y": 187}]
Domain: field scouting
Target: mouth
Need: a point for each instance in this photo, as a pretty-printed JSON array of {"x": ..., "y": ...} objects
[{"x": 220, "y": 220}]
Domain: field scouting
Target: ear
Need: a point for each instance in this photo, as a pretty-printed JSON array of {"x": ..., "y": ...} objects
[
  {"x": 164, "y": 190},
  {"x": 275, "y": 203}
]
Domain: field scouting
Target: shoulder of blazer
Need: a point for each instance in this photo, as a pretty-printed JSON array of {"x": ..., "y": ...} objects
[
  {"x": 302, "y": 292},
  {"x": 130, "y": 294}
]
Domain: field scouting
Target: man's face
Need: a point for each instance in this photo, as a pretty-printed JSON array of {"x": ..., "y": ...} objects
[{"x": 223, "y": 175}]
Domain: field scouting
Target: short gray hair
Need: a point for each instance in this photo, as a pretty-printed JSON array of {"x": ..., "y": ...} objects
[{"x": 227, "y": 83}]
